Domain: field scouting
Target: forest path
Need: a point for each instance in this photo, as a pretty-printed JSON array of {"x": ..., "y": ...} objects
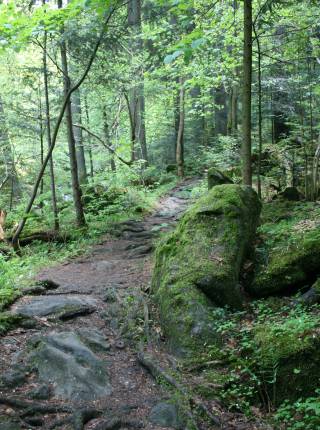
[{"x": 78, "y": 352}]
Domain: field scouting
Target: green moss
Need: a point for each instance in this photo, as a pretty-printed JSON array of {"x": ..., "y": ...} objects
[
  {"x": 198, "y": 265},
  {"x": 288, "y": 355},
  {"x": 290, "y": 266},
  {"x": 216, "y": 177},
  {"x": 9, "y": 321}
]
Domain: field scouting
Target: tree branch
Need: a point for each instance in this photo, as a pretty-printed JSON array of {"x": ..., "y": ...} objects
[{"x": 128, "y": 163}]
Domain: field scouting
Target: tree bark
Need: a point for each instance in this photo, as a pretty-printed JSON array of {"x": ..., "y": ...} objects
[
  {"x": 8, "y": 155},
  {"x": 259, "y": 111},
  {"x": 49, "y": 140},
  {"x": 246, "y": 96},
  {"x": 136, "y": 94},
  {"x": 220, "y": 112},
  {"x": 107, "y": 138},
  {"x": 77, "y": 132},
  {"x": 89, "y": 138},
  {"x": 76, "y": 189},
  {"x": 180, "y": 137}
]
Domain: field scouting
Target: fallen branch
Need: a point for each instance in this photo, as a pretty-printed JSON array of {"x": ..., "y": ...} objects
[
  {"x": 157, "y": 372},
  {"x": 42, "y": 236},
  {"x": 110, "y": 148},
  {"x": 201, "y": 366}
]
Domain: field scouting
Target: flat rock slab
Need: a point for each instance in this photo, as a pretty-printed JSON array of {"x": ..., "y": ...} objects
[
  {"x": 74, "y": 370},
  {"x": 55, "y": 305}
]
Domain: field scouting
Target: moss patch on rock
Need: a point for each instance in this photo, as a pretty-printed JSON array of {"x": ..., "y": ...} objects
[
  {"x": 288, "y": 354},
  {"x": 216, "y": 177},
  {"x": 197, "y": 267},
  {"x": 289, "y": 255}
]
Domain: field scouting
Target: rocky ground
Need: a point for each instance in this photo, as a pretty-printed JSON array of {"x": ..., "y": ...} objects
[{"x": 89, "y": 353}]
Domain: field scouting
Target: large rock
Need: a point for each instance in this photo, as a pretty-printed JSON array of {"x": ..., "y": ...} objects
[
  {"x": 288, "y": 357},
  {"x": 198, "y": 265},
  {"x": 55, "y": 305},
  {"x": 76, "y": 373},
  {"x": 288, "y": 266},
  {"x": 7, "y": 424},
  {"x": 291, "y": 194},
  {"x": 168, "y": 414},
  {"x": 216, "y": 177}
]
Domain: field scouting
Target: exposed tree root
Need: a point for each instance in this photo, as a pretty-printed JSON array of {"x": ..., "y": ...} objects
[
  {"x": 77, "y": 419},
  {"x": 156, "y": 371},
  {"x": 83, "y": 416},
  {"x": 34, "y": 408},
  {"x": 118, "y": 424}
]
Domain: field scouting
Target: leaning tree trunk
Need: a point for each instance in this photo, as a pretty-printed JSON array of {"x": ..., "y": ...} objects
[
  {"x": 180, "y": 137},
  {"x": 76, "y": 190},
  {"x": 246, "y": 96},
  {"x": 77, "y": 132}
]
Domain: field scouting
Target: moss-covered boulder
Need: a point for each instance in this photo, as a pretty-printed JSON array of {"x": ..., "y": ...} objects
[
  {"x": 288, "y": 266},
  {"x": 288, "y": 355},
  {"x": 197, "y": 267},
  {"x": 216, "y": 177}
]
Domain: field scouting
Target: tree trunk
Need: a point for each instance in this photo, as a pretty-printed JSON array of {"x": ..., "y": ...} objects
[
  {"x": 246, "y": 100},
  {"x": 220, "y": 112},
  {"x": 180, "y": 137},
  {"x": 107, "y": 139},
  {"x": 41, "y": 146},
  {"x": 49, "y": 140},
  {"x": 89, "y": 138},
  {"x": 7, "y": 156},
  {"x": 76, "y": 190},
  {"x": 77, "y": 132},
  {"x": 136, "y": 94},
  {"x": 259, "y": 111}
]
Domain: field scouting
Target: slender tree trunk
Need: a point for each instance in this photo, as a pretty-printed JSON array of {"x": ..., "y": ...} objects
[
  {"x": 246, "y": 101},
  {"x": 107, "y": 139},
  {"x": 89, "y": 137},
  {"x": 77, "y": 132},
  {"x": 259, "y": 111},
  {"x": 176, "y": 113},
  {"x": 76, "y": 190},
  {"x": 180, "y": 137},
  {"x": 220, "y": 111},
  {"x": 49, "y": 140},
  {"x": 7, "y": 155},
  {"x": 136, "y": 96},
  {"x": 41, "y": 146}
]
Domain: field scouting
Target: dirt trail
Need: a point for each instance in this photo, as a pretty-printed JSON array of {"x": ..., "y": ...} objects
[
  {"x": 73, "y": 364},
  {"x": 87, "y": 309}
]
